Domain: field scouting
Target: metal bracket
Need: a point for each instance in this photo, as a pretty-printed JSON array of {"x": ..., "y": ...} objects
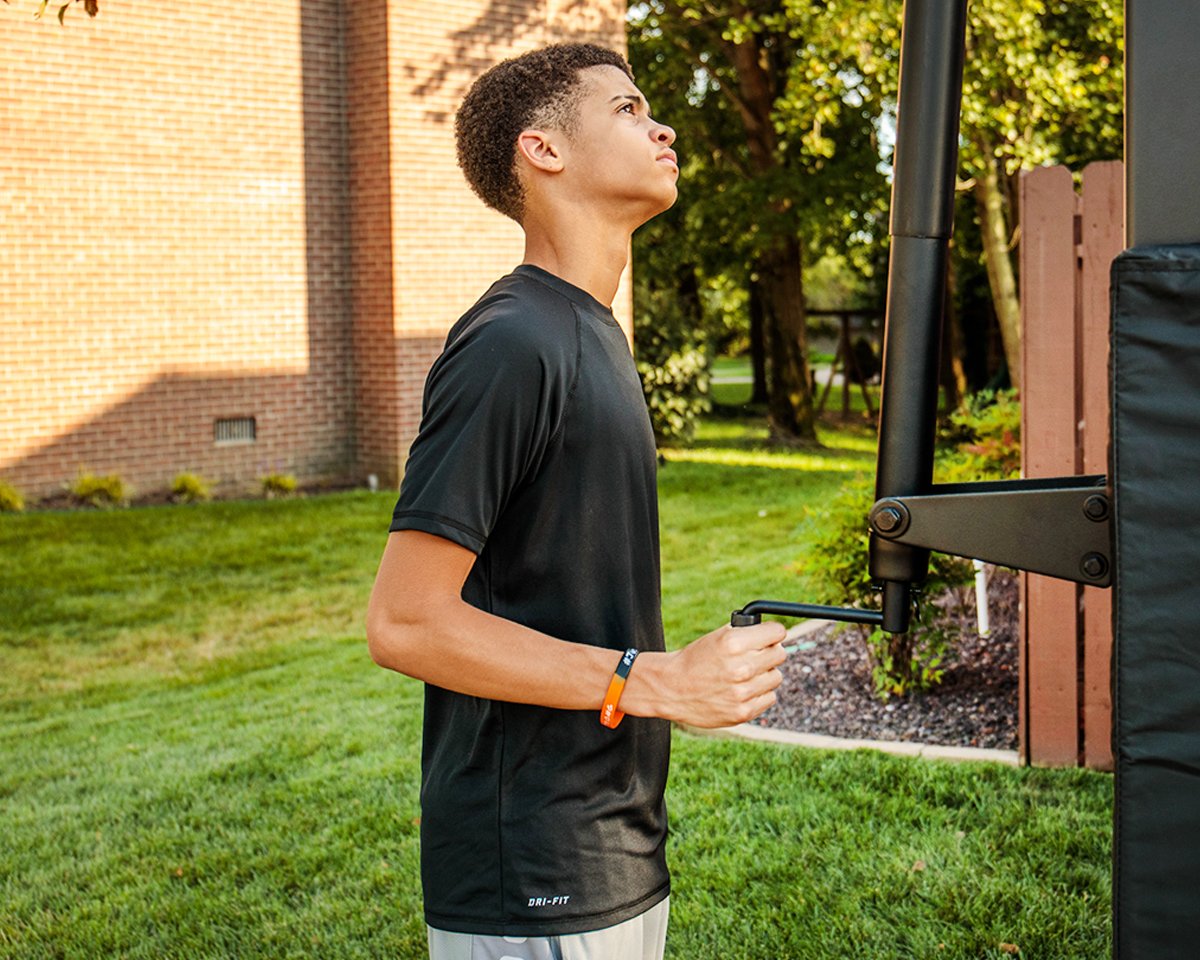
[{"x": 1059, "y": 527}]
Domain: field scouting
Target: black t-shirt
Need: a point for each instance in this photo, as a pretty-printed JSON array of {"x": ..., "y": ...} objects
[{"x": 535, "y": 451}]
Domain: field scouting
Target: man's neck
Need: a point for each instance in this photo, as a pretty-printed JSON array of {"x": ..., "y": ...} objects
[{"x": 591, "y": 260}]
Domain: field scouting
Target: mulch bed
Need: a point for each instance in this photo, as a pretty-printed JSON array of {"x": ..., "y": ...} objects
[{"x": 827, "y": 681}]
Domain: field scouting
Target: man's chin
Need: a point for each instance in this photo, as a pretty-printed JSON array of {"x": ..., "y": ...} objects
[{"x": 661, "y": 203}]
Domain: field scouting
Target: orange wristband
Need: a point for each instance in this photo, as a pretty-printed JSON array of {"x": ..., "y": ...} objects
[{"x": 610, "y": 716}]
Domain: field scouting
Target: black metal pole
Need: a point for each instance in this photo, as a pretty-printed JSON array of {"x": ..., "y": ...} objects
[
  {"x": 922, "y": 217},
  {"x": 1162, "y": 123}
]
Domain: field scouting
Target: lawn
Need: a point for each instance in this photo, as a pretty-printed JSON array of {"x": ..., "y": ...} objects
[{"x": 198, "y": 759}]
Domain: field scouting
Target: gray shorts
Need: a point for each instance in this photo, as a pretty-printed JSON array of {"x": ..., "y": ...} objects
[{"x": 639, "y": 938}]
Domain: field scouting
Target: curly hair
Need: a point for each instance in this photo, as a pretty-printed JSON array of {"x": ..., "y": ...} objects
[{"x": 539, "y": 88}]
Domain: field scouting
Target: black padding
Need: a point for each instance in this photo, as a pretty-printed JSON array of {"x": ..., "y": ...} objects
[{"x": 1156, "y": 473}]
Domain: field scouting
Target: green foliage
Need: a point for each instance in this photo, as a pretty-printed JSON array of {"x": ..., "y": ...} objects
[
  {"x": 779, "y": 160},
  {"x": 1042, "y": 84},
  {"x": 190, "y": 488},
  {"x": 725, "y": 326},
  {"x": 675, "y": 380},
  {"x": 833, "y": 282},
  {"x": 11, "y": 500},
  {"x": 986, "y": 437},
  {"x": 784, "y": 110},
  {"x": 671, "y": 320},
  {"x": 676, "y": 392},
  {"x": 984, "y": 444},
  {"x": 100, "y": 491},
  {"x": 837, "y": 557},
  {"x": 278, "y": 485},
  {"x": 777, "y": 123}
]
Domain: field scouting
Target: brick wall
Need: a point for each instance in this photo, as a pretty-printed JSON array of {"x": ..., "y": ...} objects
[
  {"x": 173, "y": 191},
  {"x": 215, "y": 210},
  {"x": 447, "y": 247}
]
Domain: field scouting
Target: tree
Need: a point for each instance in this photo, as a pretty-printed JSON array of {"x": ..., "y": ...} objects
[
  {"x": 1042, "y": 84},
  {"x": 778, "y": 131},
  {"x": 779, "y": 103}
]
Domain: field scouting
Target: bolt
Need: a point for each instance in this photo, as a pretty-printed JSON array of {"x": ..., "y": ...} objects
[
  {"x": 1094, "y": 566},
  {"x": 1096, "y": 507},
  {"x": 888, "y": 519}
]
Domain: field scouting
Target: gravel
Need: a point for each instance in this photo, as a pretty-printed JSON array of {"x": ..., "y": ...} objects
[{"x": 827, "y": 681}]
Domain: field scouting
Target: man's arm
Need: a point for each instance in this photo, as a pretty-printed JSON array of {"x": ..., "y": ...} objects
[{"x": 418, "y": 624}]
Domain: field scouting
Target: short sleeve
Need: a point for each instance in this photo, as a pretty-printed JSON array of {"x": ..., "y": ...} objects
[{"x": 493, "y": 403}]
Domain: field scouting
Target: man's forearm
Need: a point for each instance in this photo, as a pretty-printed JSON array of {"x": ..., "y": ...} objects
[
  {"x": 418, "y": 624},
  {"x": 470, "y": 651}
]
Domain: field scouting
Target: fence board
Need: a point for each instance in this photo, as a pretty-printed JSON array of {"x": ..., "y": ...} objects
[
  {"x": 1050, "y": 617},
  {"x": 1102, "y": 238}
]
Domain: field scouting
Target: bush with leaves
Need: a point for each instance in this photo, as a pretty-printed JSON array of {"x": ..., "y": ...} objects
[
  {"x": 837, "y": 556},
  {"x": 100, "y": 491},
  {"x": 985, "y": 439},
  {"x": 278, "y": 485},
  {"x": 673, "y": 364},
  {"x": 190, "y": 488},
  {"x": 675, "y": 382},
  {"x": 11, "y": 500},
  {"x": 981, "y": 441}
]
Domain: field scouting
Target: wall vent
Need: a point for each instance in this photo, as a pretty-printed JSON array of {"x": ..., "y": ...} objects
[{"x": 229, "y": 431}]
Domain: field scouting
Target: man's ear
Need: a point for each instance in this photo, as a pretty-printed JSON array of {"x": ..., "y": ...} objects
[{"x": 539, "y": 150}]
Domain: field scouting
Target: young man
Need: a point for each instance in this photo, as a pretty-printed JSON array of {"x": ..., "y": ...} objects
[{"x": 522, "y": 568}]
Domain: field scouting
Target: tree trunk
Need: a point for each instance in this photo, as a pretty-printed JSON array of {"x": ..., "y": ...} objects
[
  {"x": 953, "y": 373},
  {"x": 688, "y": 286},
  {"x": 790, "y": 402},
  {"x": 758, "y": 344},
  {"x": 994, "y": 227}
]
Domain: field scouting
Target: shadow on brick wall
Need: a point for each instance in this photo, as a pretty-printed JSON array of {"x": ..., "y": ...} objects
[
  {"x": 303, "y": 418},
  {"x": 503, "y": 25},
  {"x": 168, "y": 426}
]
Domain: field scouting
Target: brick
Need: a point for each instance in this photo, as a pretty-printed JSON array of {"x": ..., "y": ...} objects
[{"x": 222, "y": 211}]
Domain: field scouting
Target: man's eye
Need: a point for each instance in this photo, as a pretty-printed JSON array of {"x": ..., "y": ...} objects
[{"x": 625, "y": 107}]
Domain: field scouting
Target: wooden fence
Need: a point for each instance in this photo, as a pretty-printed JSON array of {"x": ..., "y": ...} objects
[{"x": 1068, "y": 243}]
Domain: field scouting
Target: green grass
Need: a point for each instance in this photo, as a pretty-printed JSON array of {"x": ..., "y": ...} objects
[
  {"x": 731, "y": 394},
  {"x": 732, "y": 517},
  {"x": 197, "y": 757},
  {"x": 91, "y": 600},
  {"x": 801, "y": 854},
  {"x": 270, "y": 811}
]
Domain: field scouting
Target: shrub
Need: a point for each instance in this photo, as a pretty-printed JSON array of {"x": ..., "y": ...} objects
[
  {"x": 675, "y": 383},
  {"x": 900, "y": 663},
  {"x": 100, "y": 491},
  {"x": 11, "y": 500},
  {"x": 278, "y": 485},
  {"x": 190, "y": 488},
  {"x": 985, "y": 435},
  {"x": 669, "y": 323}
]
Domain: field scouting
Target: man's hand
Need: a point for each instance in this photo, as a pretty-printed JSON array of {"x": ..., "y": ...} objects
[{"x": 728, "y": 676}]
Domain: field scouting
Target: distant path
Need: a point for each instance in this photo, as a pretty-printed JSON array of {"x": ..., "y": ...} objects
[{"x": 820, "y": 374}]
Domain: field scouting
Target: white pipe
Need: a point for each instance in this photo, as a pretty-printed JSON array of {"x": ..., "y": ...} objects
[{"x": 981, "y": 599}]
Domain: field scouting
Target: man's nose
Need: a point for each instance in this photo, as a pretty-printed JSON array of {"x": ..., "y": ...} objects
[{"x": 664, "y": 135}]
